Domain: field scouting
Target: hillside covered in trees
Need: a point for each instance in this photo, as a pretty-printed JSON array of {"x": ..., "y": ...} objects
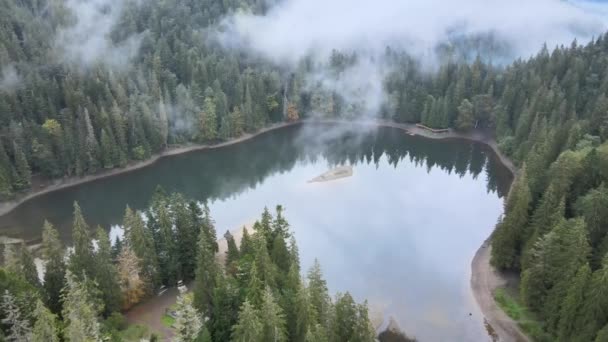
[
  {"x": 60, "y": 117},
  {"x": 256, "y": 295}
]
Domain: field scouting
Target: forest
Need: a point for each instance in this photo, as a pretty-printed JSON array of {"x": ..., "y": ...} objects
[
  {"x": 256, "y": 294},
  {"x": 548, "y": 113}
]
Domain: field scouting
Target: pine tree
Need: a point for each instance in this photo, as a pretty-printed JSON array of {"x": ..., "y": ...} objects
[
  {"x": 187, "y": 230},
  {"x": 507, "y": 241},
  {"x": 22, "y": 168},
  {"x": 106, "y": 274},
  {"x": 107, "y": 150},
  {"x": 80, "y": 313},
  {"x": 28, "y": 267},
  {"x": 206, "y": 275},
  {"x": 140, "y": 240},
  {"x": 345, "y": 320},
  {"x": 318, "y": 295},
  {"x": 81, "y": 260},
  {"x": 246, "y": 244},
  {"x": 226, "y": 302},
  {"x": 163, "y": 123},
  {"x": 91, "y": 147},
  {"x": 273, "y": 324},
  {"x": 132, "y": 285},
  {"x": 557, "y": 258},
  {"x": 45, "y": 328},
  {"x": 188, "y": 322},
  {"x": 208, "y": 119},
  {"x": 6, "y": 174},
  {"x": 317, "y": 333},
  {"x": 167, "y": 249},
  {"x": 237, "y": 123},
  {"x": 12, "y": 261},
  {"x": 55, "y": 268},
  {"x": 569, "y": 320},
  {"x": 207, "y": 223},
  {"x": 465, "y": 120},
  {"x": 19, "y": 328},
  {"x": 232, "y": 254},
  {"x": 249, "y": 326},
  {"x": 593, "y": 312}
]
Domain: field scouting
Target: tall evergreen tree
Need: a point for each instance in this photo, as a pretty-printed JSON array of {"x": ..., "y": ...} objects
[
  {"x": 141, "y": 242},
  {"x": 19, "y": 328},
  {"x": 81, "y": 260},
  {"x": 106, "y": 274},
  {"x": 55, "y": 268},
  {"x": 249, "y": 327},
  {"x": 188, "y": 322},
  {"x": 45, "y": 328},
  {"x": 206, "y": 275},
  {"x": 80, "y": 313}
]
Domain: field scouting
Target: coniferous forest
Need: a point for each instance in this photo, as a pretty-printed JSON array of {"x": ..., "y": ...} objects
[
  {"x": 548, "y": 113},
  {"x": 255, "y": 294}
]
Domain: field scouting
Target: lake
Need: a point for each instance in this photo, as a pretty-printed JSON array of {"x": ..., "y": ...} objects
[{"x": 400, "y": 232}]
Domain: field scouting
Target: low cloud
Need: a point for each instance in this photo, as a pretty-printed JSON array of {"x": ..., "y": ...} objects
[
  {"x": 9, "y": 78},
  {"x": 87, "y": 41},
  {"x": 296, "y": 29}
]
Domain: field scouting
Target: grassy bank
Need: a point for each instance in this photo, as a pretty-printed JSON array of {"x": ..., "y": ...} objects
[{"x": 508, "y": 301}]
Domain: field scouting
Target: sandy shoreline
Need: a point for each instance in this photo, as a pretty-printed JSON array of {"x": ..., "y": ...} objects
[{"x": 484, "y": 279}]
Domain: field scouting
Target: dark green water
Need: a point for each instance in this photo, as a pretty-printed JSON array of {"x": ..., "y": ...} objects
[{"x": 401, "y": 232}]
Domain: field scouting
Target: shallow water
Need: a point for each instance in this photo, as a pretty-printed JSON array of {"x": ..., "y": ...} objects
[{"x": 400, "y": 232}]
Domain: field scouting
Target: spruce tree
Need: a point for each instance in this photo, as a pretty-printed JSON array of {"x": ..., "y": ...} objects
[
  {"x": 188, "y": 321},
  {"x": 318, "y": 295},
  {"x": 132, "y": 285},
  {"x": 28, "y": 267},
  {"x": 55, "y": 268},
  {"x": 206, "y": 275},
  {"x": 569, "y": 321},
  {"x": 46, "y": 327},
  {"x": 141, "y": 242},
  {"x": 80, "y": 313},
  {"x": 106, "y": 274},
  {"x": 19, "y": 329},
  {"x": 273, "y": 324},
  {"x": 81, "y": 260},
  {"x": 508, "y": 236},
  {"x": 22, "y": 168},
  {"x": 249, "y": 326}
]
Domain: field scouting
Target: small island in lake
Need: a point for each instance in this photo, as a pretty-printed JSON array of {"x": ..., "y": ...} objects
[{"x": 333, "y": 174}]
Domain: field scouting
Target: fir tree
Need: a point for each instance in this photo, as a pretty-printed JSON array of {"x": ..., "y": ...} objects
[
  {"x": 188, "y": 322},
  {"x": 45, "y": 328},
  {"x": 249, "y": 326},
  {"x": 81, "y": 260},
  {"x": 19, "y": 328},
  {"x": 55, "y": 268},
  {"x": 106, "y": 274}
]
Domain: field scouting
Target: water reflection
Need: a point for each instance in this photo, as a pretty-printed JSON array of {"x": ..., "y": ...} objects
[{"x": 400, "y": 232}]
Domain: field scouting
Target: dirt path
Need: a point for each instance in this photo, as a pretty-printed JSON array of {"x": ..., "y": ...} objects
[{"x": 151, "y": 311}]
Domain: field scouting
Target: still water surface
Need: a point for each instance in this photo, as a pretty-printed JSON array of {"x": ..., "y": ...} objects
[{"x": 401, "y": 232}]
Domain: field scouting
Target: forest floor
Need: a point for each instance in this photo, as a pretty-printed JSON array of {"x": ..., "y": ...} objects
[{"x": 150, "y": 312}]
